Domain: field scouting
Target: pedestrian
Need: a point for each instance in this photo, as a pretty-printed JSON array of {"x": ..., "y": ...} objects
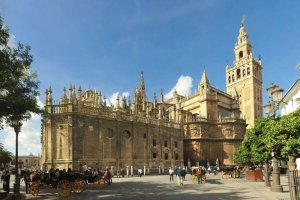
[
  {"x": 183, "y": 173},
  {"x": 5, "y": 180},
  {"x": 140, "y": 171},
  {"x": 171, "y": 172},
  {"x": 179, "y": 176},
  {"x": 107, "y": 176}
]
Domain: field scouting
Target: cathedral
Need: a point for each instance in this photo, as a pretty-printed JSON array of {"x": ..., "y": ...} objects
[{"x": 190, "y": 130}]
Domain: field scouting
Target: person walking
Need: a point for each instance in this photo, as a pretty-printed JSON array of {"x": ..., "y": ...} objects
[
  {"x": 140, "y": 172},
  {"x": 6, "y": 179},
  {"x": 179, "y": 176},
  {"x": 171, "y": 172}
]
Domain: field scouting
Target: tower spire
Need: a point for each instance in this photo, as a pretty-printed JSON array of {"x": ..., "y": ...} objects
[
  {"x": 243, "y": 47},
  {"x": 204, "y": 79},
  {"x": 142, "y": 83},
  {"x": 142, "y": 92},
  {"x": 204, "y": 84}
]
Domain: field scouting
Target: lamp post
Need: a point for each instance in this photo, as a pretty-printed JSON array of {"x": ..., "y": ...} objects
[
  {"x": 275, "y": 93},
  {"x": 17, "y": 127}
]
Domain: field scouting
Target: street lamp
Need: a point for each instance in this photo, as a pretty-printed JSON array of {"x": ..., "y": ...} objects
[
  {"x": 275, "y": 93},
  {"x": 17, "y": 127}
]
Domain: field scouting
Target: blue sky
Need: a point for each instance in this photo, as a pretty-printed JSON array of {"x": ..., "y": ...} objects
[{"x": 105, "y": 45}]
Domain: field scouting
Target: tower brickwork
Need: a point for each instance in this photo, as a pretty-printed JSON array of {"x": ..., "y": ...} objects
[{"x": 244, "y": 79}]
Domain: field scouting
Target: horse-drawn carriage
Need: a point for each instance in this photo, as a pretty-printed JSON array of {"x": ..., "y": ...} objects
[
  {"x": 199, "y": 173},
  {"x": 230, "y": 170},
  {"x": 63, "y": 182}
]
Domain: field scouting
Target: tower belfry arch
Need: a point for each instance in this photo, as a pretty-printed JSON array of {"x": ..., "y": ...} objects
[{"x": 244, "y": 78}]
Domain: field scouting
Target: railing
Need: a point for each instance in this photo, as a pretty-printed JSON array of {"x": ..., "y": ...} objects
[
  {"x": 71, "y": 108},
  {"x": 294, "y": 184}
]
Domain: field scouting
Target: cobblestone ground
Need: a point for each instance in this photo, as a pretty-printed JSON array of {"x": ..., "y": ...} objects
[{"x": 159, "y": 187}]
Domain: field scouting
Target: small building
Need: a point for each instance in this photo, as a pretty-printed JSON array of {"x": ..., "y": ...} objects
[
  {"x": 291, "y": 100},
  {"x": 27, "y": 162}
]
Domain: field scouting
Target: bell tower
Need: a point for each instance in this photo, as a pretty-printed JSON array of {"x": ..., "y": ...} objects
[{"x": 244, "y": 78}]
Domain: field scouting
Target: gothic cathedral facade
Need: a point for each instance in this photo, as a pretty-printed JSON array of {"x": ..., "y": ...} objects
[{"x": 190, "y": 130}]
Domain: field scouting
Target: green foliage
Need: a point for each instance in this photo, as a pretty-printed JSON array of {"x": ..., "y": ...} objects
[
  {"x": 281, "y": 135},
  {"x": 5, "y": 156},
  {"x": 18, "y": 87},
  {"x": 284, "y": 135},
  {"x": 253, "y": 149}
]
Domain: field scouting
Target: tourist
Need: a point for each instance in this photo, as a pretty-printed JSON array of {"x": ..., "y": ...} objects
[
  {"x": 171, "y": 172},
  {"x": 107, "y": 176},
  {"x": 179, "y": 176},
  {"x": 5, "y": 178},
  {"x": 140, "y": 172}
]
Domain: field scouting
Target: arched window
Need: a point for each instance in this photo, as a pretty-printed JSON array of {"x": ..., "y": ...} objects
[
  {"x": 244, "y": 72},
  {"x": 238, "y": 73},
  {"x": 241, "y": 54},
  {"x": 248, "y": 71},
  {"x": 232, "y": 77},
  {"x": 229, "y": 79}
]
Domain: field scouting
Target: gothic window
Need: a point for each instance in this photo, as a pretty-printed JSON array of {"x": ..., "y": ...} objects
[
  {"x": 176, "y": 156},
  {"x": 154, "y": 143},
  {"x": 166, "y": 156},
  {"x": 145, "y": 135},
  {"x": 238, "y": 73},
  {"x": 232, "y": 77},
  {"x": 229, "y": 79},
  {"x": 248, "y": 71},
  {"x": 244, "y": 72},
  {"x": 166, "y": 143},
  {"x": 176, "y": 144},
  {"x": 241, "y": 54},
  {"x": 154, "y": 155}
]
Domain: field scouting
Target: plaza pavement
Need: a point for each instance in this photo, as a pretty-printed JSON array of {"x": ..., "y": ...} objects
[{"x": 159, "y": 187}]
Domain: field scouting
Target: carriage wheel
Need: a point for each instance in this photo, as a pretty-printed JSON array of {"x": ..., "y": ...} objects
[
  {"x": 100, "y": 182},
  {"x": 34, "y": 189},
  {"x": 64, "y": 188},
  {"x": 78, "y": 185}
]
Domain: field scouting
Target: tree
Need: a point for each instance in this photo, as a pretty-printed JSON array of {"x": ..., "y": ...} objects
[
  {"x": 253, "y": 149},
  {"x": 283, "y": 135},
  {"x": 18, "y": 85},
  {"x": 5, "y": 156}
]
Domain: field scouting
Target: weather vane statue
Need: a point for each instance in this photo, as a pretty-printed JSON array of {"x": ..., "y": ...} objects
[{"x": 243, "y": 20}]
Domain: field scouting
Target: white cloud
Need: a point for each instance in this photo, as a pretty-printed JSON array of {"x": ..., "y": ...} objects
[
  {"x": 112, "y": 100},
  {"x": 29, "y": 137},
  {"x": 183, "y": 86},
  {"x": 12, "y": 42}
]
